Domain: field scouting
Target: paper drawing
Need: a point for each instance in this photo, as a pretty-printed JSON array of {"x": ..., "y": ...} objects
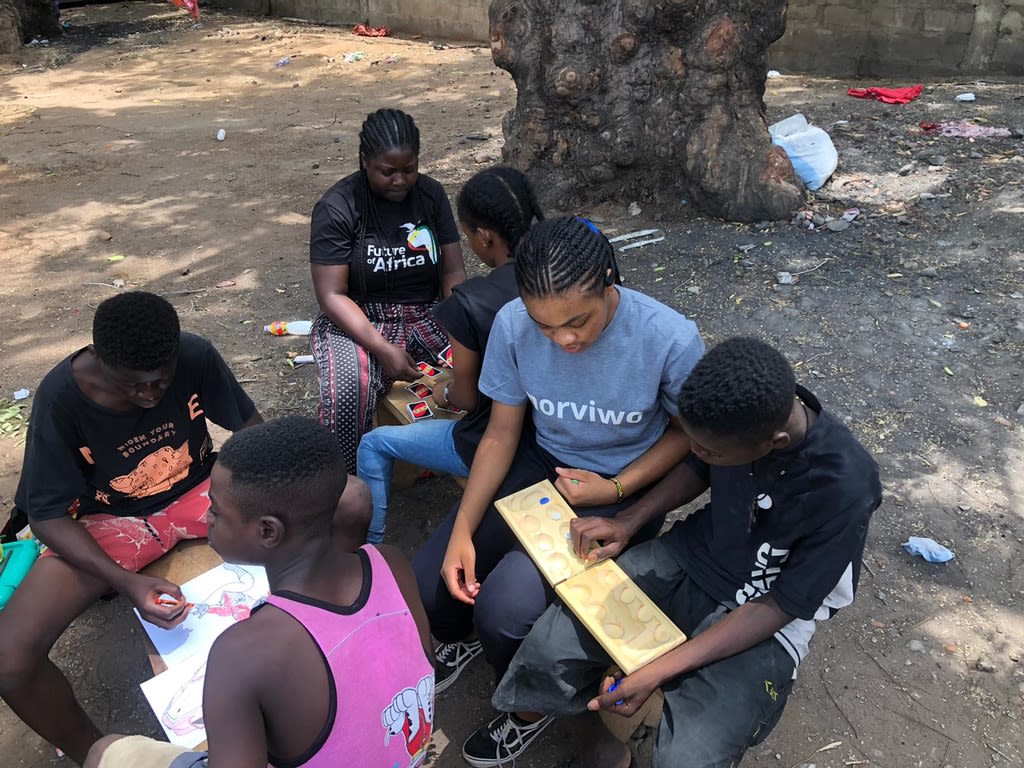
[
  {"x": 176, "y": 697},
  {"x": 220, "y": 597}
]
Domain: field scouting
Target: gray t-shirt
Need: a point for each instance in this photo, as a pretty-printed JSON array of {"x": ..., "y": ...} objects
[{"x": 604, "y": 407}]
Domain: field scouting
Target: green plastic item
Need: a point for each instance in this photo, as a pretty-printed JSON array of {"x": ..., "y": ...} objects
[{"x": 15, "y": 562}]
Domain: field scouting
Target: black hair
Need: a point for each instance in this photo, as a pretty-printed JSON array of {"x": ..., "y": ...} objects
[
  {"x": 388, "y": 129},
  {"x": 289, "y": 467},
  {"x": 559, "y": 255},
  {"x": 500, "y": 198},
  {"x": 740, "y": 388},
  {"x": 136, "y": 331}
]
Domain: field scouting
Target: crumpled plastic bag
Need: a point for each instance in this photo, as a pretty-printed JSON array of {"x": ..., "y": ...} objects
[
  {"x": 809, "y": 148},
  {"x": 929, "y": 549}
]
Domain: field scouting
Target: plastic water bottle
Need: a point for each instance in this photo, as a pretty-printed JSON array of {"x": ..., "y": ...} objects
[
  {"x": 290, "y": 328},
  {"x": 222, "y": 134}
]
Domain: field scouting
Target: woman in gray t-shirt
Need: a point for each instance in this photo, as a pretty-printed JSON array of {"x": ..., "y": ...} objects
[{"x": 599, "y": 368}]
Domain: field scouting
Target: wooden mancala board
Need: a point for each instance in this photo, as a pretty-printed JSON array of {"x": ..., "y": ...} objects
[{"x": 624, "y": 620}]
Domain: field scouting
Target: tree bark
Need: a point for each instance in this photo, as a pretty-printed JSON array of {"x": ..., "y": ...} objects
[
  {"x": 21, "y": 20},
  {"x": 645, "y": 100}
]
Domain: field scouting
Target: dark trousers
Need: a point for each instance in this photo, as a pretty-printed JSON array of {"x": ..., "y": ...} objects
[
  {"x": 712, "y": 714},
  {"x": 513, "y": 593}
]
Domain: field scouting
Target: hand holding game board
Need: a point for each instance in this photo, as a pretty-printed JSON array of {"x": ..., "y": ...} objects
[{"x": 624, "y": 620}]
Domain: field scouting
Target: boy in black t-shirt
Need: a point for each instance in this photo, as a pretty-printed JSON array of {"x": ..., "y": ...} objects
[
  {"x": 118, "y": 440},
  {"x": 777, "y": 548}
]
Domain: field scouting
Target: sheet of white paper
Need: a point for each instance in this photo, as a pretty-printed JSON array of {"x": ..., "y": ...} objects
[
  {"x": 220, "y": 597},
  {"x": 176, "y": 697}
]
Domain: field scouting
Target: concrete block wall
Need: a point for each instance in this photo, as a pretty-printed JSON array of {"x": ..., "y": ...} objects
[
  {"x": 895, "y": 39},
  {"x": 453, "y": 19},
  {"x": 900, "y": 39}
]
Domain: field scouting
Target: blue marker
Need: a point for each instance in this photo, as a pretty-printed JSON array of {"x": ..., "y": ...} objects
[{"x": 612, "y": 687}]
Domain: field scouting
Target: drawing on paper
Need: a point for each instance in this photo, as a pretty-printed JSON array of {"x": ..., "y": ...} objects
[
  {"x": 184, "y": 712},
  {"x": 234, "y": 599},
  {"x": 176, "y": 697},
  {"x": 220, "y": 597}
]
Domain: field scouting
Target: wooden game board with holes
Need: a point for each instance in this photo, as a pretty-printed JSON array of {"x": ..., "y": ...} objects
[
  {"x": 624, "y": 620},
  {"x": 539, "y": 517}
]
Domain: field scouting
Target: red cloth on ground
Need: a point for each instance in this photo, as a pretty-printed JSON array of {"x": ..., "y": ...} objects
[
  {"x": 888, "y": 95},
  {"x": 365, "y": 31},
  {"x": 192, "y": 6}
]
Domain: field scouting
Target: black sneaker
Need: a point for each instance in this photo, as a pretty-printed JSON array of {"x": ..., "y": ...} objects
[
  {"x": 452, "y": 658},
  {"x": 501, "y": 741}
]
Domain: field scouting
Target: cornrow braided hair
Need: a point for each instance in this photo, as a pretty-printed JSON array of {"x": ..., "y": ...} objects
[
  {"x": 388, "y": 129},
  {"x": 563, "y": 254},
  {"x": 384, "y": 130},
  {"x": 500, "y": 198}
]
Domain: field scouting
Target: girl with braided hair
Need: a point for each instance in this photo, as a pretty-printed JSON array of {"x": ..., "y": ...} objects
[
  {"x": 383, "y": 250},
  {"x": 496, "y": 207},
  {"x": 600, "y": 367}
]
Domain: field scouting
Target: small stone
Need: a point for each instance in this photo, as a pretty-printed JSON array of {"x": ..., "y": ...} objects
[
  {"x": 929, "y": 272},
  {"x": 937, "y": 160},
  {"x": 837, "y": 226},
  {"x": 1017, "y": 159},
  {"x": 694, "y": 289},
  {"x": 104, "y": 235},
  {"x": 984, "y": 664},
  {"x": 483, "y": 157},
  {"x": 916, "y": 646},
  {"x": 315, "y": 166},
  {"x": 906, "y": 169},
  {"x": 761, "y": 225},
  {"x": 478, "y": 136},
  {"x": 634, "y": 209},
  {"x": 818, "y": 220},
  {"x": 1017, "y": 133},
  {"x": 597, "y": 219},
  {"x": 784, "y": 278},
  {"x": 1017, "y": 295},
  {"x": 1020, "y": 410},
  {"x": 746, "y": 247},
  {"x": 976, "y": 155}
]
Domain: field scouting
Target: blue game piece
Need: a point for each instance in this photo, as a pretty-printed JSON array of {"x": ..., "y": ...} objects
[{"x": 544, "y": 500}]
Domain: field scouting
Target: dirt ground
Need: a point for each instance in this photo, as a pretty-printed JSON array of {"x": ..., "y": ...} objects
[{"x": 908, "y": 324}]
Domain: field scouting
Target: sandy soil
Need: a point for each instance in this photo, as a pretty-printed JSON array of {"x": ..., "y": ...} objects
[{"x": 908, "y": 324}]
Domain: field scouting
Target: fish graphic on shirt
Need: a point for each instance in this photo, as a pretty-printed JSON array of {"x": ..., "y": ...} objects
[{"x": 156, "y": 473}]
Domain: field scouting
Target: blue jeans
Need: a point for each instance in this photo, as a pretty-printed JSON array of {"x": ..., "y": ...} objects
[{"x": 426, "y": 444}]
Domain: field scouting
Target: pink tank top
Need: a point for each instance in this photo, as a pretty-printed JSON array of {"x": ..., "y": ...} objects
[{"x": 381, "y": 682}]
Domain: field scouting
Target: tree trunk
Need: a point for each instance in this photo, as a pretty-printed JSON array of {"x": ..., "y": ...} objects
[
  {"x": 645, "y": 100},
  {"x": 21, "y": 20}
]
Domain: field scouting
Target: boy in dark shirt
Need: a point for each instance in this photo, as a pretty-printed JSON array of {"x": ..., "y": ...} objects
[
  {"x": 777, "y": 548},
  {"x": 116, "y": 472}
]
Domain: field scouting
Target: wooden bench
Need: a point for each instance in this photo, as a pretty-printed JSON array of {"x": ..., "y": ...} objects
[{"x": 391, "y": 410}]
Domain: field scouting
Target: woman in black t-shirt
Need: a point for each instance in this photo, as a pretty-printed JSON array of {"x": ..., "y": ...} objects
[
  {"x": 496, "y": 208},
  {"x": 383, "y": 249}
]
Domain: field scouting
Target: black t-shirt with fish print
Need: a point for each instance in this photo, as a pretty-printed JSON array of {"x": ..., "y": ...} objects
[
  {"x": 400, "y": 258},
  {"x": 127, "y": 463}
]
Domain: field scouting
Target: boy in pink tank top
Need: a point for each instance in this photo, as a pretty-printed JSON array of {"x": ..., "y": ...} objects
[{"x": 336, "y": 668}]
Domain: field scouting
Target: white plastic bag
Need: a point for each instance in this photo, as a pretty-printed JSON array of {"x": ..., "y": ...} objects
[{"x": 810, "y": 150}]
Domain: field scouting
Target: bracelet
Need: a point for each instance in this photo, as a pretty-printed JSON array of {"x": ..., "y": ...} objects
[{"x": 618, "y": 489}]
